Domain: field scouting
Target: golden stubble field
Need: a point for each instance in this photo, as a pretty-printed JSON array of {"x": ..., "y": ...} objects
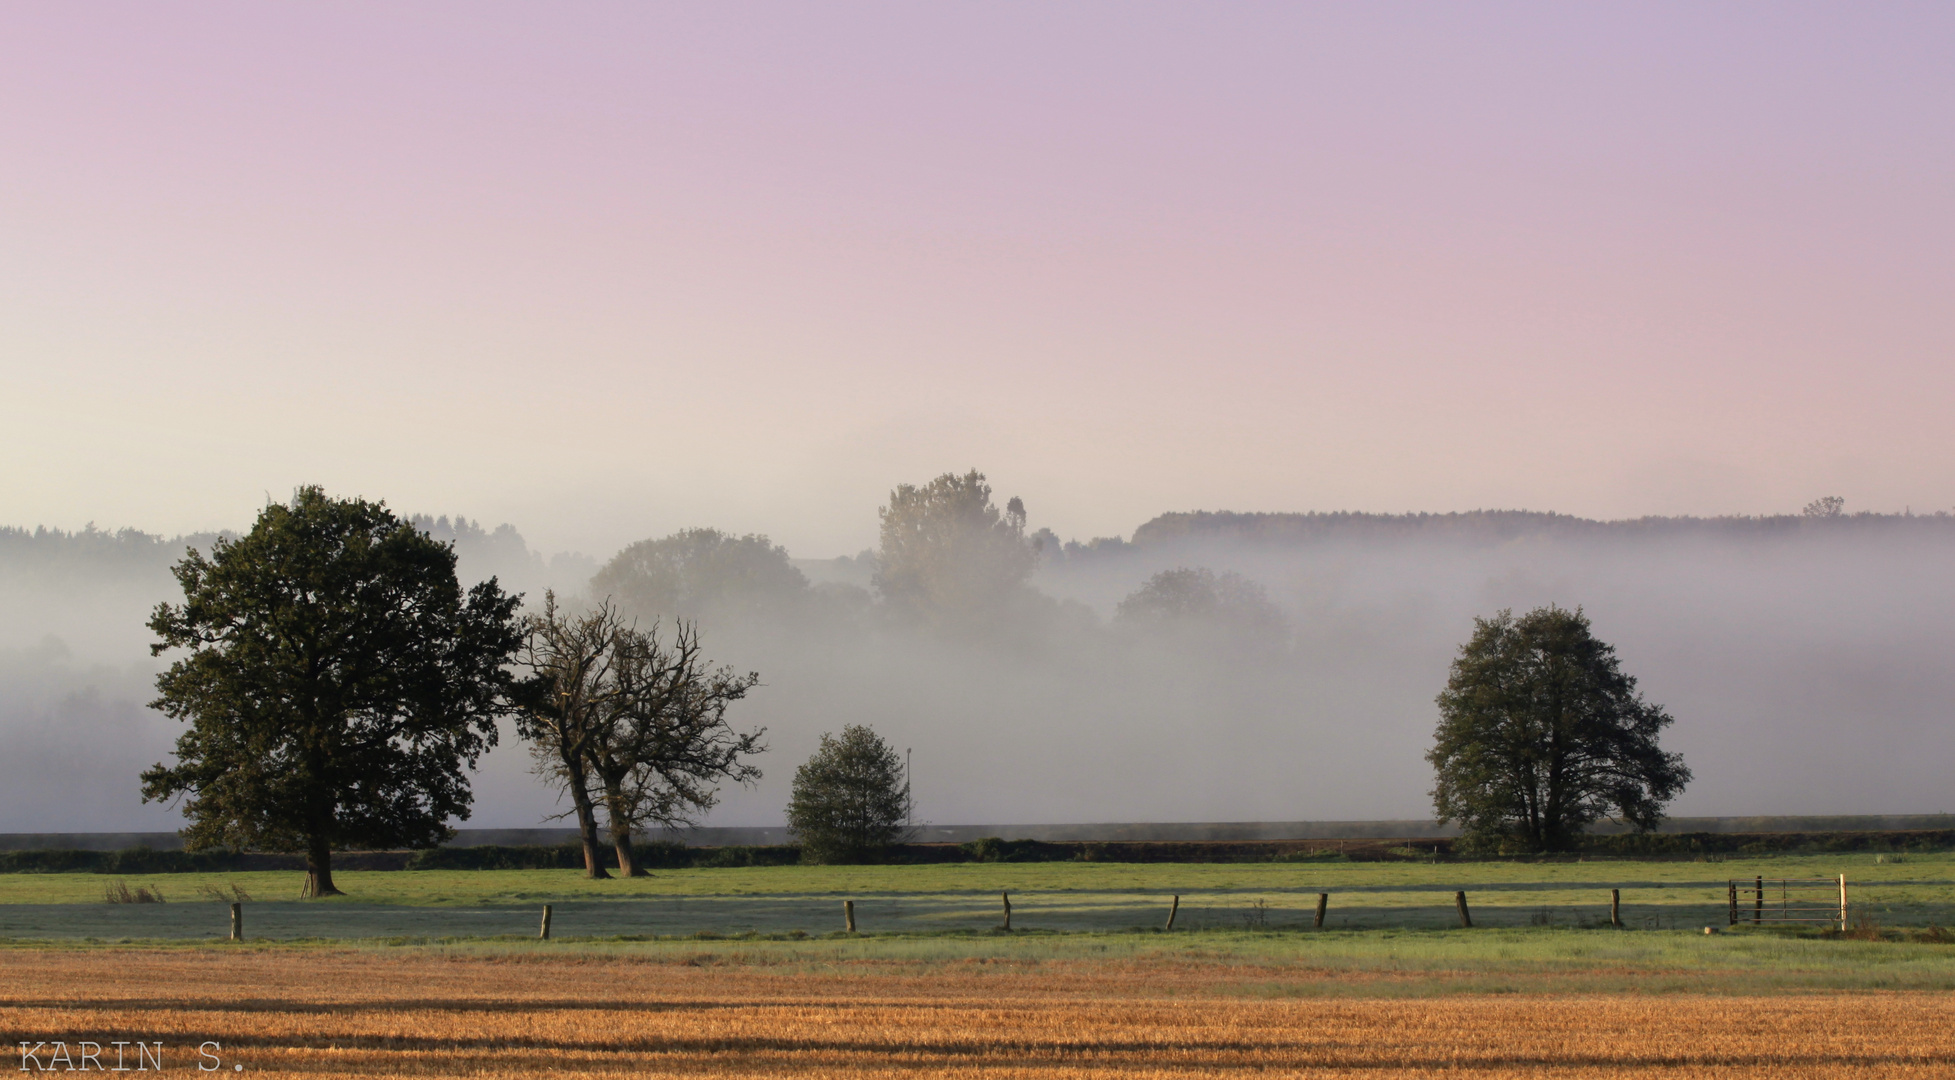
[{"x": 354, "y": 1012}]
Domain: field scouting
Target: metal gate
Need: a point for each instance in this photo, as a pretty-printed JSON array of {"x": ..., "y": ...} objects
[{"x": 1789, "y": 900}]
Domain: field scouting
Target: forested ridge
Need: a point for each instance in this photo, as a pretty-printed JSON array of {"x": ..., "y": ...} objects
[{"x": 1501, "y": 526}]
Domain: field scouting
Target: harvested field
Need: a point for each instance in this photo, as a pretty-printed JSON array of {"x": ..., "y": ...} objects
[{"x": 352, "y": 1012}]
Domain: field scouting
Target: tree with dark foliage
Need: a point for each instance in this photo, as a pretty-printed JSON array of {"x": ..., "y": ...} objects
[
  {"x": 851, "y": 799},
  {"x": 338, "y": 683},
  {"x": 1541, "y": 734}
]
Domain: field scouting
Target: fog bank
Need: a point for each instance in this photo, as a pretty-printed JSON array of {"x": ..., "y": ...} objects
[{"x": 1807, "y": 665}]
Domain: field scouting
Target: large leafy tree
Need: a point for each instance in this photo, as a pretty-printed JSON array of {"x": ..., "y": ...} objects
[
  {"x": 1541, "y": 734},
  {"x": 949, "y": 555},
  {"x": 337, "y": 681},
  {"x": 851, "y": 799}
]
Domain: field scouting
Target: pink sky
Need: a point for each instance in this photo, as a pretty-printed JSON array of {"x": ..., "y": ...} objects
[{"x": 604, "y": 271}]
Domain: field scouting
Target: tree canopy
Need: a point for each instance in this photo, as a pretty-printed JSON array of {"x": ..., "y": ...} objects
[
  {"x": 948, "y": 554},
  {"x": 851, "y": 799},
  {"x": 1541, "y": 734},
  {"x": 337, "y": 683},
  {"x": 701, "y": 572},
  {"x": 1199, "y": 599}
]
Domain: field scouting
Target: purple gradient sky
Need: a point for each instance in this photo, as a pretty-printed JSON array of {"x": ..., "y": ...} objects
[{"x": 604, "y": 271}]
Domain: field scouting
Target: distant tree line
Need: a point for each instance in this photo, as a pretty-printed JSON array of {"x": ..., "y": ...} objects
[{"x": 1482, "y": 527}]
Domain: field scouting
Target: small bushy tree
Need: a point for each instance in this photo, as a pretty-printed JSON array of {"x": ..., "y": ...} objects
[
  {"x": 851, "y": 799},
  {"x": 1540, "y": 734}
]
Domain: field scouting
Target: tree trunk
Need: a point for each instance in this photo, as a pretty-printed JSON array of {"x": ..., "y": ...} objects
[
  {"x": 621, "y": 840},
  {"x": 620, "y": 821},
  {"x": 318, "y": 871},
  {"x": 587, "y": 830}
]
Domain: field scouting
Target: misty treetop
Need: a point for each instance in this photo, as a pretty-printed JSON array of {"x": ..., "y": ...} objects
[
  {"x": 951, "y": 561},
  {"x": 1201, "y": 600},
  {"x": 948, "y": 553},
  {"x": 1541, "y": 734},
  {"x": 702, "y": 572},
  {"x": 91, "y": 554},
  {"x": 338, "y": 682}
]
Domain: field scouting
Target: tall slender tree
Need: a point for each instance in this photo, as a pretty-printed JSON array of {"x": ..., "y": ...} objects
[{"x": 337, "y": 681}]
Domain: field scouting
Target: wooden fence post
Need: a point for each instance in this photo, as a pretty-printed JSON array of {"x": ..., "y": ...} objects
[
  {"x": 1465, "y": 917},
  {"x": 1734, "y": 903},
  {"x": 1615, "y": 908},
  {"x": 1173, "y": 907},
  {"x": 1323, "y": 905},
  {"x": 237, "y": 920},
  {"x": 1842, "y": 903},
  {"x": 848, "y": 914},
  {"x": 1007, "y": 899},
  {"x": 544, "y": 933},
  {"x": 1758, "y": 906}
]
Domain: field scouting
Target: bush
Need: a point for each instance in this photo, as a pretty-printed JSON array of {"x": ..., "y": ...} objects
[
  {"x": 1319, "y": 855},
  {"x": 993, "y": 849},
  {"x": 128, "y": 861},
  {"x": 658, "y": 855},
  {"x": 768, "y": 855},
  {"x": 500, "y": 857}
]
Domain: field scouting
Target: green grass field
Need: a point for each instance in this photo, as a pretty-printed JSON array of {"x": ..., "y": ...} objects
[
  {"x": 962, "y": 898},
  {"x": 1371, "y": 964}
]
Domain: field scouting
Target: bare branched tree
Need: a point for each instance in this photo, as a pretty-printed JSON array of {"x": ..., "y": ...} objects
[
  {"x": 662, "y": 754},
  {"x": 618, "y": 716},
  {"x": 572, "y": 694}
]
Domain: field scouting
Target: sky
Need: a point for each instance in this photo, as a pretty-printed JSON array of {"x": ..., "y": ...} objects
[{"x": 609, "y": 270}]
